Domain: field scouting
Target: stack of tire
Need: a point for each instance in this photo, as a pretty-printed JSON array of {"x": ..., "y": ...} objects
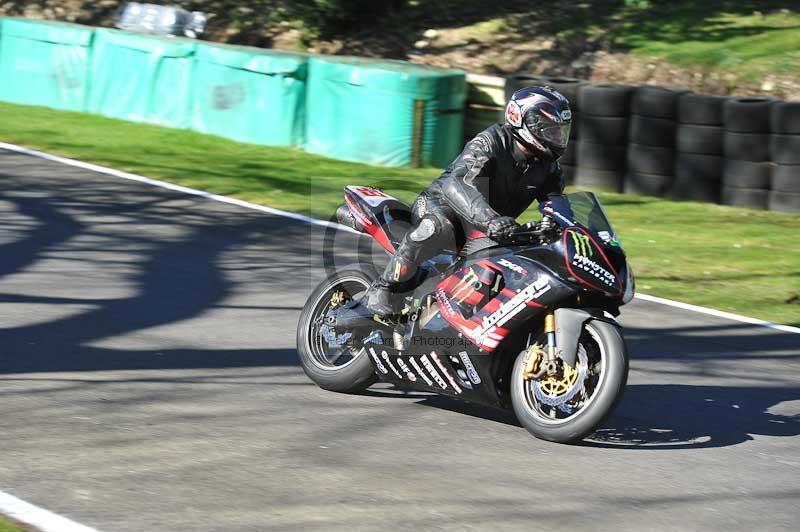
[
  {"x": 785, "y": 153},
  {"x": 651, "y": 136},
  {"x": 699, "y": 141},
  {"x": 602, "y": 136},
  {"x": 569, "y": 88},
  {"x": 747, "y": 173}
]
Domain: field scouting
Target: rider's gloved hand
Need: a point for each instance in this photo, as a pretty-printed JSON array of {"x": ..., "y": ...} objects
[{"x": 500, "y": 228}]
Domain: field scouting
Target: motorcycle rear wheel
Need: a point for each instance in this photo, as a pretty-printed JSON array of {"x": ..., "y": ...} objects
[
  {"x": 601, "y": 347},
  {"x": 345, "y": 371}
]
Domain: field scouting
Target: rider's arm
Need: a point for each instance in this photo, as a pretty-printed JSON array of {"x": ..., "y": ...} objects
[
  {"x": 469, "y": 173},
  {"x": 554, "y": 182}
]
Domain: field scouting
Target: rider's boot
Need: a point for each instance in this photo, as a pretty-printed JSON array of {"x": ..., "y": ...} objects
[{"x": 380, "y": 299}]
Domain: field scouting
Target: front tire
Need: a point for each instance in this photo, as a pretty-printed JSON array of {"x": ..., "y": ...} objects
[
  {"x": 601, "y": 349},
  {"x": 346, "y": 372}
]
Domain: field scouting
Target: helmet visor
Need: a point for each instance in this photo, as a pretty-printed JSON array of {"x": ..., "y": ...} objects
[{"x": 554, "y": 132}]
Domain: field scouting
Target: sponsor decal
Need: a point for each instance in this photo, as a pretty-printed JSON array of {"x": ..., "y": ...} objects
[
  {"x": 513, "y": 114},
  {"x": 444, "y": 303},
  {"x": 385, "y": 357},
  {"x": 409, "y": 374},
  {"x": 446, "y": 373},
  {"x": 592, "y": 268},
  {"x": 513, "y": 267},
  {"x": 566, "y": 115},
  {"x": 371, "y": 196},
  {"x": 608, "y": 238},
  {"x": 422, "y": 206},
  {"x": 420, "y": 372},
  {"x": 512, "y": 307},
  {"x": 432, "y": 372},
  {"x": 583, "y": 245},
  {"x": 467, "y": 285},
  {"x": 378, "y": 362},
  {"x": 470, "y": 369}
]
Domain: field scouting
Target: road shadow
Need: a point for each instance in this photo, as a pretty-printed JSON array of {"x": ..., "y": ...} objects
[{"x": 676, "y": 416}]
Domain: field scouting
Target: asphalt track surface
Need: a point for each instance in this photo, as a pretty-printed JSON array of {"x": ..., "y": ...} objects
[{"x": 149, "y": 381}]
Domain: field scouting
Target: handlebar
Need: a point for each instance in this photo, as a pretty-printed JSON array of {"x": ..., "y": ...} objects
[{"x": 533, "y": 232}]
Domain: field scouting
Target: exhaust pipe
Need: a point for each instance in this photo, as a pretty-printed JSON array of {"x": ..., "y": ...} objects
[{"x": 345, "y": 217}]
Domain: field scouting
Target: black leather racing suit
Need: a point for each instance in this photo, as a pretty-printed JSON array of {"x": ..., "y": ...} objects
[{"x": 490, "y": 178}]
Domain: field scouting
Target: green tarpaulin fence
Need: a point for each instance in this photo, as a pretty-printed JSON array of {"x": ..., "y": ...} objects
[
  {"x": 384, "y": 112},
  {"x": 142, "y": 78},
  {"x": 44, "y": 63},
  {"x": 250, "y": 95}
]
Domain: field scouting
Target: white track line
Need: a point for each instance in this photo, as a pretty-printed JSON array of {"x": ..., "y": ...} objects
[
  {"x": 315, "y": 221},
  {"x": 163, "y": 184},
  {"x": 718, "y": 313},
  {"x": 42, "y": 519}
]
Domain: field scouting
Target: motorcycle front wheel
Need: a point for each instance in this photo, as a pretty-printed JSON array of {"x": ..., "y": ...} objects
[
  {"x": 568, "y": 407},
  {"x": 333, "y": 366}
]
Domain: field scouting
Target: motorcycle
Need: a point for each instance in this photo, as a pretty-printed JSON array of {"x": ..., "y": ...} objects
[{"x": 526, "y": 324}]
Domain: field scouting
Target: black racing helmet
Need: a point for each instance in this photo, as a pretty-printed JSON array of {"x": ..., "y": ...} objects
[{"x": 540, "y": 118}]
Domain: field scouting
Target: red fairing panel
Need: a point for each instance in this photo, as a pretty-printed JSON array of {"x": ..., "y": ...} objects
[
  {"x": 466, "y": 301},
  {"x": 364, "y": 203}
]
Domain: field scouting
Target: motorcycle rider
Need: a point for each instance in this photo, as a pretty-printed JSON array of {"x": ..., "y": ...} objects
[{"x": 494, "y": 180}]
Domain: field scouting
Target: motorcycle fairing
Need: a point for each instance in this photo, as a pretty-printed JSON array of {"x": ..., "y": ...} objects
[
  {"x": 377, "y": 211},
  {"x": 487, "y": 298},
  {"x": 588, "y": 263},
  {"x": 448, "y": 371}
]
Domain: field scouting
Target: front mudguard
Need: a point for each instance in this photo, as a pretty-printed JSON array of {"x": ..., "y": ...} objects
[{"x": 569, "y": 323}]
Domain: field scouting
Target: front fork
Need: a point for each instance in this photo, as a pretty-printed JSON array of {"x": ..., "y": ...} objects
[{"x": 541, "y": 360}]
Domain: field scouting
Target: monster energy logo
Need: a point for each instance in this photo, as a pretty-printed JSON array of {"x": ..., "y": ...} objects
[
  {"x": 583, "y": 245},
  {"x": 465, "y": 287}
]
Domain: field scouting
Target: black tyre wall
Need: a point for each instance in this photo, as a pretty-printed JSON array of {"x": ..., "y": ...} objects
[
  {"x": 785, "y": 149},
  {"x": 700, "y": 109},
  {"x": 601, "y": 156},
  {"x": 747, "y": 115},
  {"x": 753, "y": 147},
  {"x": 610, "y": 180},
  {"x": 786, "y": 178},
  {"x": 656, "y": 102},
  {"x": 703, "y": 140},
  {"x": 784, "y": 201},
  {"x": 690, "y": 166},
  {"x": 651, "y": 159},
  {"x": 652, "y": 131},
  {"x": 609, "y": 130},
  {"x": 785, "y": 118},
  {"x": 648, "y": 184},
  {"x": 754, "y": 198},
  {"x": 747, "y": 174},
  {"x": 604, "y": 100},
  {"x": 692, "y": 189}
]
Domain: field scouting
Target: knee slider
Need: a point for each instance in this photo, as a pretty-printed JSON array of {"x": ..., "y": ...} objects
[{"x": 428, "y": 227}]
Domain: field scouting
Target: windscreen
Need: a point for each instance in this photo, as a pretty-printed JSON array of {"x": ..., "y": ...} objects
[{"x": 584, "y": 209}]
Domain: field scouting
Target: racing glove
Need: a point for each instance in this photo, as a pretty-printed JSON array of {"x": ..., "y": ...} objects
[{"x": 500, "y": 228}]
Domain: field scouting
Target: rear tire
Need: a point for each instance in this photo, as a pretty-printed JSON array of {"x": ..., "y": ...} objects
[
  {"x": 355, "y": 375},
  {"x": 607, "y": 391}
]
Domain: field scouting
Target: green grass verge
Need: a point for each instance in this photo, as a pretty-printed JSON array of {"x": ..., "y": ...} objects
[
  {"x": 8, "y": 526},
  {"x": 737, "y": 260},
  {"x": 732, "y": 37}
]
